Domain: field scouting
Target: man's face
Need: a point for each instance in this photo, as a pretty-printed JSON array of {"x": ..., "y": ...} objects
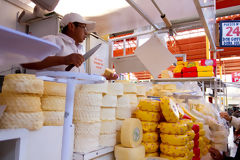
[{"x": 80, "y": 32}]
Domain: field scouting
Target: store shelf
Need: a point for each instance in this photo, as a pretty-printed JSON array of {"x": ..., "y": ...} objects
[
  {"x": 17, "y": 47},
  {"x": 184, "y": 79},
  {"x": 93, "y": 154}
]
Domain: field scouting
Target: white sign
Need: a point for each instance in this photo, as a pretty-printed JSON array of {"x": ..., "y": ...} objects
[{"x": 230, "y": 33}]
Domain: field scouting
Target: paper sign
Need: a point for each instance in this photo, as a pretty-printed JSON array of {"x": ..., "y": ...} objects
[
  {"x": 2, "y": 109},
  {"x": 155, "y": 56},
  {"x": 235, "y": 76}
]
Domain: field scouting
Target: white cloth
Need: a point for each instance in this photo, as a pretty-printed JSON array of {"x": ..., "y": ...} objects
[
  {"x": 67, "y": 46},
  {"x": 235, "y": 122}
]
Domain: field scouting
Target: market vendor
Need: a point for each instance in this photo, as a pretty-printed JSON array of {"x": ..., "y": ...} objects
[
  {"x": 215, "y": 154},
  {"x": 74, "y": 31}
]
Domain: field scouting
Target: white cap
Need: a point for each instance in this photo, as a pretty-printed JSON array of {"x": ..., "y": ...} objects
[{"x": 74, "y": 17}]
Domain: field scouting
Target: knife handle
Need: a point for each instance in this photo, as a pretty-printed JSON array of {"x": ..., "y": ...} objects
[{"x": 69, "y": 67}]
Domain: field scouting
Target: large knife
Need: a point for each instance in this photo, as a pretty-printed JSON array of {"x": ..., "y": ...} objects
[{"x": 85, "y": 56}]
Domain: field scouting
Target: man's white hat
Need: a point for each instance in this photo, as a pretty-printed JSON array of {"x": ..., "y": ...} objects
[{"x": 74, "y": 17}]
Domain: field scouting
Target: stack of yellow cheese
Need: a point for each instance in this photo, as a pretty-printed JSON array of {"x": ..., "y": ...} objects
[
  {"x": 149, "y": 114},
  {"x": 131, "y": 138},
  {"x": 53, "y": 103},
  {"x": 21, "y": 94},
  {"x": 176, "y": 135}
]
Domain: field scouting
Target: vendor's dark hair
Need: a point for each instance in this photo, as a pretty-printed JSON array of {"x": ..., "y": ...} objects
[{"x": 64, "y": 29}]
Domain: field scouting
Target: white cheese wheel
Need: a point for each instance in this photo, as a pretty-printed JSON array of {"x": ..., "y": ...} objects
[
  {"x": 123, "y": 101},
  {"x": 54, "y": 89},
  {"x": 22, "y": 83},
  {"x": 119, "y": 124},
  {"x": 85, "y": 143},
  {"x": 31, "y": 121},
  {"x": 141, "y": 90},
  {"x": 129, "y": 88},
  {"x": 108, "y": 113},
  {"x": 87, "y": 99},
  {"x": 108, "y": 127},
  {"x": 122, "y": 153},
  {"x": 93, "y": 88},
  {"x": 133, "y": 99},
  {"x": 86, "y": 114},
  {"x": 109, "y": 101},
  {"x": 87, "y": 129},
  {"x": 115, "y": 89},
  {"x": 123, "y": 112},
  {"x": 52, "y": 118},
  {"x": 53, "y": 103},
  {"x": 131, "y": 132},
  {"x": 20, "y": 102},
  {"x": 107, "y": 140}
]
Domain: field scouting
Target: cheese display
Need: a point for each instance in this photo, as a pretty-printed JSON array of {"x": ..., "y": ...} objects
[
  {"x": 174, "y": 151},
  {"x": 119, "y": 124},
  {"x": 149, "y": 105},
  {"x": 115, "y": 89},
  {"x": 22, "y": 83},
  {"x": 80, "y": 142},
  {"x": 148, "y": 116},
  {"x": 53, "y": 103},
  {"x": 86, "y": 114},
  {"x": 169, "y": 109},
  {"x": 93, "y": 88},
  {"x": 90, "y": 99},
  {"x": 173, "y": 128},
  {"x": 88, "y": 129},
  {"x": 131, "y": 132},
  {"x": 149, "y": 126},
  {"x": 107, "y": 140},
  {"x": 108, "y": 127},
  {"x": 109, "y": 101},
  {"x": 150, "y": 137},
  {"x": 129, "y": 88},
  {"x": 31, "y": 121},
  {"x": 108, "y": 113},
  {"x": 133, "y": 98},
  {"x": 123, "y": 101},
  {"x": 141, "y": 90},
  {"x": 52, "y": 118},
  {"x": 176, "y": 140},
  {"x": 122, "y": 153},
  {"x": 123, "y": 112},
  {"x": 20, "y": 102},
  {"x": 151, "y": 147},
  {"x": 155, "y": 154},
  {"x": 54, "y": 89}
]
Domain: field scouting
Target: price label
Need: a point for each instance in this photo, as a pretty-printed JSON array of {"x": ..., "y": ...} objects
[
  {"x": 230, "y": 33},
  {"x": 235, "y": 76}
]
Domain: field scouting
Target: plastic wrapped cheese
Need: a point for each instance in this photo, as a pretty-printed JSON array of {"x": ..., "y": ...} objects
[
  {"x": 52, "y": 118},
  {"x": 87, "y": 99},
  {"x": 149, "y": 126},
  {"x": 108, "y": 127},
  {"x": 107, "y": 140},
  {"x": 175, "y": 151},
  {"x": 169, "y": 110},
  {"x": 86, "y": 114},
  {"x": 131, "y": 132},
  {"x": 190, "y": 134},
  {"x": 123, "y": 153},
  {"x": 176, "y": 140},
  {"x": 169, "y": 86},
  {"x": 201, "y": 132},
  {"x": 108, "y": 113},
  {"x": 173, "y": 128},
  {"x": 22, "y": 83},
  {"x": 54, "y": 89},
  {"x": 151, "y": 147},
  {"x": 148, "y": 116},
  {"x": 123, "y": 101},
  {"x": 115, "y": 89},
  {"x": 150, "y": 137},
  {"x": 109, "y": 101},
  {"x": 149, "y": 105},
  {"x": 190, "y": 145},
  {"x": 123, "y": 112},
  {"x": 20, "y": 102},
  {"x": 53, "y": 103}
]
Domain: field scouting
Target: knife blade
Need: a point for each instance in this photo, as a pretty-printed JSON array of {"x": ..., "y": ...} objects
[{"x": 87, "y": 55}]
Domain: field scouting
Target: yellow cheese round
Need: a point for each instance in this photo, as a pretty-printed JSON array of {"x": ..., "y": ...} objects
[
  {"x": 52, "y": 118},
  {"x": 151, "y": 147},
  {"x": 190, "y": 145},
  {"x": 155, "y": 154},
  {"x": 149, "y": 105},
  {"x": 53, "y": 103},
  {"x": 176, "y": 140},
  {"x": 54, "y": 89},
  {"x": 148, "y": 116},
  {"x": 201, "y": 132},
  {"x": 123, "y": 153},
  {"x": 150, "y": 137},
  {"x": 191, "y": 134},
  {"x": 149, "y": 126},
  {"x": 175, "y": 151},
  {"x": 169, "y": 110},
  {"x": 188, "y": 122},
  {"x": 200, "y": 124},
  {"x": 173, "y": 128},
  {"x": 131, "y": 132}
]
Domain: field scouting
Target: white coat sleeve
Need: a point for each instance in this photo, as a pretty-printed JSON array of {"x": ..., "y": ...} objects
[{"x": 235, "y": 122}]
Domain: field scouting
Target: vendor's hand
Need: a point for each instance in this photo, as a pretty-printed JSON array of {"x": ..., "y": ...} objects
[
  {"x": 74, "y": 58},
  {"x": 225, "y": 116},
  {"x": 215, "y": 154},
  {"x": 111, "y": 76}
]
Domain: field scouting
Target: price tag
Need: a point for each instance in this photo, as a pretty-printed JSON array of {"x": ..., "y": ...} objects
[
  {"x": 235, "y": 76},
  {"x": 230, "y": 33}
]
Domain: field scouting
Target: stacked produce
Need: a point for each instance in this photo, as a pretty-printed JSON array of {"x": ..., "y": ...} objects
[
  {"x": 149, "y": 114},
  {"x": 21, "y": 94},
  {"x": 53, "y": 103},
  {"x": 131, "y": 138}
]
